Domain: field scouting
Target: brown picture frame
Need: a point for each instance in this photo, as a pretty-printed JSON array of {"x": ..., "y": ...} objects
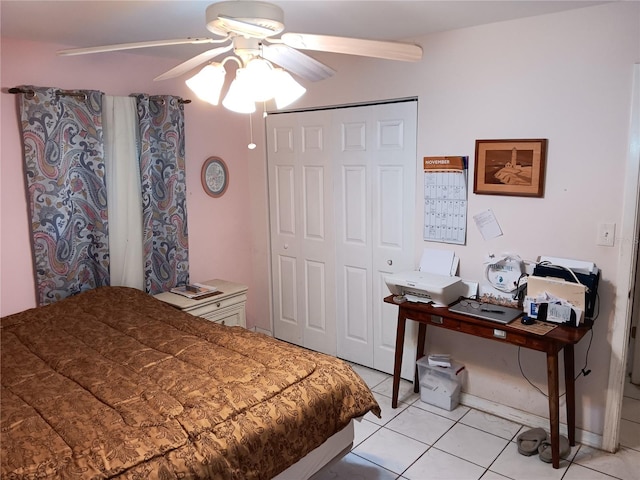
[
  {"x": 214, "y": 177},
  {"x": 510, "y": 167}
]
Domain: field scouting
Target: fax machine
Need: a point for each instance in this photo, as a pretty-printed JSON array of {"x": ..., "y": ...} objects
[{"x": 416, "y": 286}]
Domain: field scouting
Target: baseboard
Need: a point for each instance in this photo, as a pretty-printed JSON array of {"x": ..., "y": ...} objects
[
  {"x": 525, "y": 418},
  {"x": 261, "y": 330}
]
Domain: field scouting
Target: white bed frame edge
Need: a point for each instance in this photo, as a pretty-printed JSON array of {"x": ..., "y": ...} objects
[{"x": 332, "y": 450}]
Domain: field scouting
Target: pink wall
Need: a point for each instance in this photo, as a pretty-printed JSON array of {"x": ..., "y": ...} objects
[{"x": 219, "y": 229}]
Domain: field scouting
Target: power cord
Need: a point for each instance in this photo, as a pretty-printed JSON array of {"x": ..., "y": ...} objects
[
  {"x": 527, "y": 378},
  {"x": 584, "y": 371},
  {"x": 571, "y": 272},
  {"x": 519, "y": 294}
]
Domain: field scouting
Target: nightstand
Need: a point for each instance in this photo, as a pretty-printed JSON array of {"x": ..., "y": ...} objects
[{"x": 227, "y": 308}]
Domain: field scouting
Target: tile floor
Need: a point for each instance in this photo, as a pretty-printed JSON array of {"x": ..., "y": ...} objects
[{"x": 418, "y": 441}]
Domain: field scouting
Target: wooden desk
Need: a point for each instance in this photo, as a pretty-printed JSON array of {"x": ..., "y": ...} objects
[{"x": 560, "y": 338}]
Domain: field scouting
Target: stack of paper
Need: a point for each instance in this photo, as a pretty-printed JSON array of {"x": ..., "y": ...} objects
[
  {"x": 195, "y": 291},
  {"x": 439, "y": 360},
  {"x": 440, "y": 262}
]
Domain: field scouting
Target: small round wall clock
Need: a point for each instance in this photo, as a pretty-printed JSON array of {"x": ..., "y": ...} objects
[{"x": 215, "y": 176}]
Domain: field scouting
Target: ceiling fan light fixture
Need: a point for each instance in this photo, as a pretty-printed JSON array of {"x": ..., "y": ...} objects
[
  {"x": 259, "y": 79},
  {"x": 207, "y": 83},
  {"x": 287, "y": 89},
  {"x": 238, "y": 98}
]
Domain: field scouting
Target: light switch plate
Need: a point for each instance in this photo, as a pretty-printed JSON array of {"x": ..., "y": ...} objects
[{"x": 606, "y": 234}]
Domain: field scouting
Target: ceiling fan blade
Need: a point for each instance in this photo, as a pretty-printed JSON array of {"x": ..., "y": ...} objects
[
  {"x": 193, "y": 62},
  {"x": 296, "y": 62},
  {"x": 244, "y": 28},
  {"x": 354, "y": 46},
  {"x": 130, "y": 46}
]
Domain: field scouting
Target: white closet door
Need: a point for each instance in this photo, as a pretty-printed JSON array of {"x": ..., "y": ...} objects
[
  {"x": 393, "y": 222},
  {"x": 302, "y": 238},
  {"x": 353, "y": 160},
  {"x": 342, "y": 201},
  {"x": 375, "y": 168}
]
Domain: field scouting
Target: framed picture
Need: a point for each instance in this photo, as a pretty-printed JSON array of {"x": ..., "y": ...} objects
[
  {"x": 215, "y": 176},
  {"x": 510, "y": 167}
]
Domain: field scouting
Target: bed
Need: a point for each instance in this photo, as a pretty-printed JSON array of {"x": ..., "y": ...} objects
[{"x": 112, "y": 383}]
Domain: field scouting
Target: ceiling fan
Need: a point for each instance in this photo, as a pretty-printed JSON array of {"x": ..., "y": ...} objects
[{"x": 253, "y": 30}]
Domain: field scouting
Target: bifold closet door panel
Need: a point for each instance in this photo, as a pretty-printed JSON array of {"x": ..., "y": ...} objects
[
  {"x": 375, "y": 184},
  {"x": 301, "y": 224}
]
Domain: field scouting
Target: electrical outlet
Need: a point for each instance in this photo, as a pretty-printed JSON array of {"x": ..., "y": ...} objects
[{"x": 606, "y": 234}]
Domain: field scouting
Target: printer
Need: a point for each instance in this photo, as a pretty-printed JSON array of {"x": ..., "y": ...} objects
[{"x": 426, "y": 287}]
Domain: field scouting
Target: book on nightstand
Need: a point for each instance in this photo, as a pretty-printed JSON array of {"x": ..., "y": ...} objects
[{"x": 195, "y": 291}]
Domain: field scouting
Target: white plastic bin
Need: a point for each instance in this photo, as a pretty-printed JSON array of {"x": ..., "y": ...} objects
[{"x": 440, "y": 386}]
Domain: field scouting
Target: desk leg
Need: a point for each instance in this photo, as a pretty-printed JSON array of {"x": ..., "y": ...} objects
[
  {"x": 397, "y": 364},
  {"x": 570, "y": 387},
  {"x": 422, "y": 332},
  {"x": 554, "y": 406}
]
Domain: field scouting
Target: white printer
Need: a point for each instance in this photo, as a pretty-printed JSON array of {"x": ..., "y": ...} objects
[{"x": 425, "y": 287}]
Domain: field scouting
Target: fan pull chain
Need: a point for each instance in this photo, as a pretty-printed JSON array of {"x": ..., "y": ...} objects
[{"x": 251, "y": 145}]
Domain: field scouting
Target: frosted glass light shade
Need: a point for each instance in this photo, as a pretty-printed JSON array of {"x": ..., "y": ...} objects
[
  {"x": 286, "y": 89},
  {"x": 207, "y": 83},
  {"x": 260, "y": 80},
  {"x": 239, "y": 98}
]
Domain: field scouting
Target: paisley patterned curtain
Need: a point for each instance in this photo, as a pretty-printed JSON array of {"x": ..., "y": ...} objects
[
  {"x": 66, "y": 191},
  {"x": 164, "y": 199}
]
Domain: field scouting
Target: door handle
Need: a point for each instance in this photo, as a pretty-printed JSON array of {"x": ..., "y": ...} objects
[{"x": 389, "y": 262}]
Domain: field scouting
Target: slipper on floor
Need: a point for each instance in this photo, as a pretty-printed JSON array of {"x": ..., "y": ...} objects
[
  {"x": 530, "y": 441},
  {"x": 544, "y": 450}
]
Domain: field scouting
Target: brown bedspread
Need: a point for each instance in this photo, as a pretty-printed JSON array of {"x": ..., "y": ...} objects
[{"x": 114, "y": 383}]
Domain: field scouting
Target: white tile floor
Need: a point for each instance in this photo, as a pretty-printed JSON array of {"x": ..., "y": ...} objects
[{"x": 417, "y": 441}]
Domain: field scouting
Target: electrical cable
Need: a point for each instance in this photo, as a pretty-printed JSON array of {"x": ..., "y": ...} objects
[
  {"x": 519, "y": 294},
  {"x": 573, "y": 274},
  {"x": 527, "y": 378},
  {"x": 584, "y": 371}
]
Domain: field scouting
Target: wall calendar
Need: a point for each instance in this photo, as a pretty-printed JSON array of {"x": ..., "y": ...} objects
[{"x": 445, "y": 199}]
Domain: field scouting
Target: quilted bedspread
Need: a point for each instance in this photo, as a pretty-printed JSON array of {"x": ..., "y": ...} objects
[{"x": 113, "y": 383}]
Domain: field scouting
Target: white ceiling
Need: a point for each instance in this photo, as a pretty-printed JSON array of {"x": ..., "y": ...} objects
[{"x": 91, "y": 23}]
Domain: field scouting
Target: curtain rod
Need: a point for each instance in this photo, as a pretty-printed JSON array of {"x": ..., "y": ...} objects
[
  {"x": 30, "y": 93},
  {"x": 161, "y": 100}
]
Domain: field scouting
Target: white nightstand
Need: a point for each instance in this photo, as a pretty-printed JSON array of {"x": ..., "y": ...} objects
[{"x": 227, "y": 308}]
